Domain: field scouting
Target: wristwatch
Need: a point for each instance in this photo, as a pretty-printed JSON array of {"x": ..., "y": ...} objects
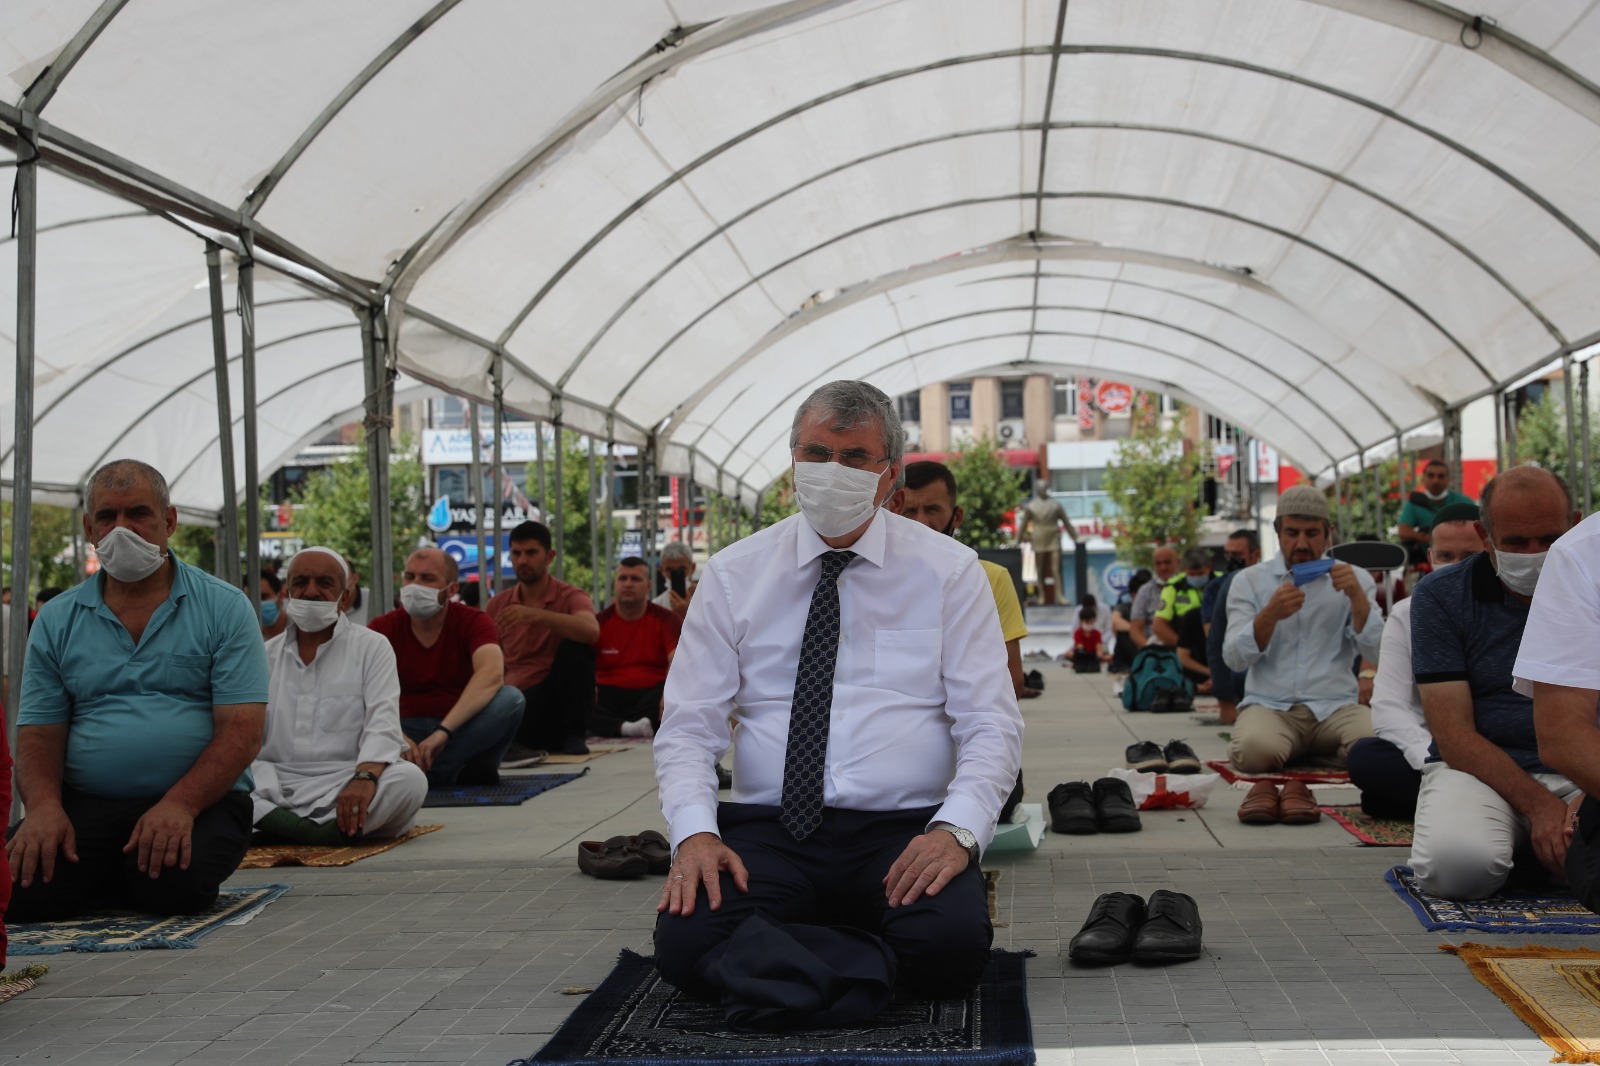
[
  {"x": 364, "y": 775},
  {"x": 963, "y": 837},
  {"x": 1367, "y": 674}
]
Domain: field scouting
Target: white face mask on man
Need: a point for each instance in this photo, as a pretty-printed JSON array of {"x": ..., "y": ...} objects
[
  {"x": 835, "y": 498},
  {"x": 1519, "y": 572},
  {"x": 127, "y": 556},
  {"x": 420, "y": 601},
  {"x": 312, "y": 616}
]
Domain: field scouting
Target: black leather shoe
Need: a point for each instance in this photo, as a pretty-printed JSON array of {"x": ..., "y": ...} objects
[
  {"x": 1180, "y": 758},
  {"x": 1114, "y": 807},
  {"x": 1107, "y": 934},
  {"x": 1146, "y": 757},
  {"x": 1072, "y": 809},
  {"x": 1171, "y": 929}
]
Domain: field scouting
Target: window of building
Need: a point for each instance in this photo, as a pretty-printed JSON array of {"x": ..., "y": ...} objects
[
  {"x": 1066, "y": 393},
  {"x": 1011, "y": 398},
  {"x": 449, "y": 412},
  {"x": 961, "y": 401},
  {"x": 909, "y": 405}
]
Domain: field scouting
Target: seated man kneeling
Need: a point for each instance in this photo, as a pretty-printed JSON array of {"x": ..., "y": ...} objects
[
  {"x": 1487, "y": 795},
  {"x": 1387, "y": 767},
  {"x": 143, "y": 698},
  {"x": 637, "y": 639},
  {"x": 331, "y": 768}
]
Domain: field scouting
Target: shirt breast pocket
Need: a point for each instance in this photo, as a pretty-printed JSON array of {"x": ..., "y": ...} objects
[
  {"x": 341, "y": 709},
  {"x": 908, "y": 661},
  {"x": 189, "y": 674}
]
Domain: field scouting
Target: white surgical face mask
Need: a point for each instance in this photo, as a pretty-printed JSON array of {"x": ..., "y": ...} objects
[
  {"x": 1441, "y": 494},
  {"x": 1519, "y": 573},
  {"x": 835, "y": 498},
  {"x": 127, "y": 556},
  {"x": 312, "y": 616},
  {"x": 420, "y": 601}
]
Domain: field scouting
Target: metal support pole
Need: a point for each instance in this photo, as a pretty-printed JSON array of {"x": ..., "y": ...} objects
[
  {"x": 610, "y": 536},
  {"x": 538, "y": 463},
  {"x": 738, "y": 513},
  {"x": 252, "y": 467},
  {"x": 648, "y": 505},
  {"x": 377, "y": 424},
  {"x": 497, "y": 374},
  {"x": 560, "y": 532},
  {"x": 1511, "y": 429},
  {"x": 1572, "y": 421},
  {"x": 25, "y": 208},
  {"x": 1499, "y": 433},
  {"x": 480, "y": 501},
  {"x": 228, "y": 530},
  {"x": 688, "y": 504},
  {"x": 595, "y": 572},
  {"x": 78, "y": 548},
  {"x": 1402, "y": 475},
  {"x": 1453, "y": 449},
  {"x": 1585, "y": 471},
  {"x": 755, "y": 516}
]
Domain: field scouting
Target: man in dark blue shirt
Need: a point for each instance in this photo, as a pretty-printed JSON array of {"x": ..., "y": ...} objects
[{"x": 1485, "y": 793}]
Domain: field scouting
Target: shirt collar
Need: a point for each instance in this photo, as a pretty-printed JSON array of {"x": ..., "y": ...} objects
[{"x": 809, "y": 546}]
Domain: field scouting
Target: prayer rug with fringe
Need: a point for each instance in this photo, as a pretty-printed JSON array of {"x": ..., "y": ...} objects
[
  {"x": 1311, "y": 775},
  {"x": 512, "y": 790},
  {"x": 1379, "y": 832},
  {"x": 1555, "y": 990},
  {"x": 125, "y": 931},
  {"x": 13, "y": 984},
  {"x": 635, "y": 1016},
  {"x": 263, "y": 856},
  {"x": 1528, "y": 913}
]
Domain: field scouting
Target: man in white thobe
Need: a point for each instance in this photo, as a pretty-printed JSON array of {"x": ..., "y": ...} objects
[{"x": 330, "y": 770}]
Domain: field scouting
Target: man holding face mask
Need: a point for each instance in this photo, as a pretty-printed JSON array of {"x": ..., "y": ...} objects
[
  {"x": 331, "y": 768},
  {"x": 143, "y": 699},
  {"x": 456, "y": 711},
  {"x": 861, "y": 655}
]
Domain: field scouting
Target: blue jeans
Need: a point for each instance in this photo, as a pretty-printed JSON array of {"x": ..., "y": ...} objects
[{"x": 472, "y": 756}]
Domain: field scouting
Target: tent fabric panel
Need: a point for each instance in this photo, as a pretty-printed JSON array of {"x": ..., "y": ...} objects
[
  {"x": 496, "y": 267},
  {"x": 134, "y": 91},
  {"x": 32, "y": 34},
  {"x": 369, "y": 187}
]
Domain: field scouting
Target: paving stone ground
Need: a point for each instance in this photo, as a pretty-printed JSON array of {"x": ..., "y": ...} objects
[{"x": 455, "y": 948}]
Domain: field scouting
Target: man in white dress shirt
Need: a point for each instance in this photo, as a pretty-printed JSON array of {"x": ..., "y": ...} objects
[
  {"x": 860, "y": 800},
  {"x": 1387, "y": 767},
  {"x": 331, "y": 768}
]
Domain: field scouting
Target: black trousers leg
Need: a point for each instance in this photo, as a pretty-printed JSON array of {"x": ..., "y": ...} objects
[
  {"x": 104, "y": 877},
  {"x": 1388, "y": 784},
  {"x": 613, "y": 706},
  {"x": 1583, "y": 856},
  {"x": 558, "y": 708},
  {"x": 835, "y": 877}
]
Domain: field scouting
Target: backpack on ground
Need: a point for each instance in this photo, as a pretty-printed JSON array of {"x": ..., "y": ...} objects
[{"x": 1155, "y": 670}]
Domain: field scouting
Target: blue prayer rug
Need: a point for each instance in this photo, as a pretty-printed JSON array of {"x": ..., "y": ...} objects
[
  {"x": 636, "y": 1017},
  {"x": 1503, "y": 912},
  {"x": 511, "y": 791},
  {"x": 126, "y": 931}
]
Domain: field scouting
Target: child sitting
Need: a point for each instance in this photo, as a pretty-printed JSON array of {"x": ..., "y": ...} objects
[{"x": 1087, "y": 654}]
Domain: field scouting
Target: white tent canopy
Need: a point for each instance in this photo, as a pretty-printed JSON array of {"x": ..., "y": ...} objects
[{"x": 1328, "y": 222}]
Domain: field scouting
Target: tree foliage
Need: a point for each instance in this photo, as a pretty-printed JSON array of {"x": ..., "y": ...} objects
[
  {"x": 576, "y": 560},
  {"x": 778, "y": 502},
  {"x": 1542, "y": 439},
  {"x": 50, "y": 559},
  {"x": 1156, "y": 486},
  {"x": 987, "y": 488},
  {"x": 1355, "y": 493},
  {"x": 334, "y": 507}
]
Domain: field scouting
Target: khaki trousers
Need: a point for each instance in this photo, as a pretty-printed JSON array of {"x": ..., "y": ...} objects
[{"x": 1264, "y": 740}]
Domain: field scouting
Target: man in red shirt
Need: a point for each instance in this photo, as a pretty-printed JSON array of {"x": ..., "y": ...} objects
[
  {"x": 637, "y": 639},
  {"x": 548, "y": 629},
  {"x": 456, "y": 711}
]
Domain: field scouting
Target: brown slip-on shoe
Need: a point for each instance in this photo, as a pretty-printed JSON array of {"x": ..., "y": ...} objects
[
  {"x": 1260, "y": 806},
  {"x": 611, "y": 861},
  {"x": 1298, "y": 806},
  {"x": 655, "y": 849}
]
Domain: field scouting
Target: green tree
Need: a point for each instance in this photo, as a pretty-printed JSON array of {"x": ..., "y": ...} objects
[
  {"x": 50, "y": 559},
  {"x": 1542, "y": 439},
  {"x": 1156, "y": 486},
  {"x": 1355, "y": 493},
  {"x": 778, "y": 502},
  {"x": 577, "y": 561},
  {"x": 987, "y": 488},
  {"x": 334, "y": 507}
]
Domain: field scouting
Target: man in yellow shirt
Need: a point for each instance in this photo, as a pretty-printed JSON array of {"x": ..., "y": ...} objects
[{"x": 928, "y": 495}]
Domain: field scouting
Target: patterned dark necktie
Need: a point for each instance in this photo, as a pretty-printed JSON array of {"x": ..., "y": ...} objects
[{"x": 807, "y": 753}]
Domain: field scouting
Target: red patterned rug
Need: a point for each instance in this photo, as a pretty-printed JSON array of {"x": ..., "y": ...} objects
[
  {"x": 1379, "y": 832},
  {"x": 1311, "y": 775}
]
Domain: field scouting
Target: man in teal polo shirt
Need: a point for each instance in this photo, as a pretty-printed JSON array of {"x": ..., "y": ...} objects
[{"x": 143, "y": 702}]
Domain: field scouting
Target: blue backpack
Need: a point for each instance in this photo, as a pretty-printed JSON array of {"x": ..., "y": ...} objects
[{"x": 1155, "y": 670}]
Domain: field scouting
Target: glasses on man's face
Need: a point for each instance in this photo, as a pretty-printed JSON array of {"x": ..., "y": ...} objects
[{"x": 854, "y": 458}]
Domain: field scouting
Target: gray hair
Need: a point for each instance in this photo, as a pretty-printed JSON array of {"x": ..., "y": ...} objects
[
  {"x": 850, "y": 405},
  {"x": 675, "y": 550},
  {"x": 121, "y": 475}
]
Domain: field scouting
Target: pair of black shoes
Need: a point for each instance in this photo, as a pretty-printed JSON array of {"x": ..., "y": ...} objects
[
  {"x": 1121, "y": 926},
  {"x": 1107, "y": 806},
  {"x": 1171, "y": 701},
  {"x": 1149, "y": 757}
]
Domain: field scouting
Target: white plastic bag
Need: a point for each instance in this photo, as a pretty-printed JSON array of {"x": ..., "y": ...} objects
[{"x": 1161, "y": 792}]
